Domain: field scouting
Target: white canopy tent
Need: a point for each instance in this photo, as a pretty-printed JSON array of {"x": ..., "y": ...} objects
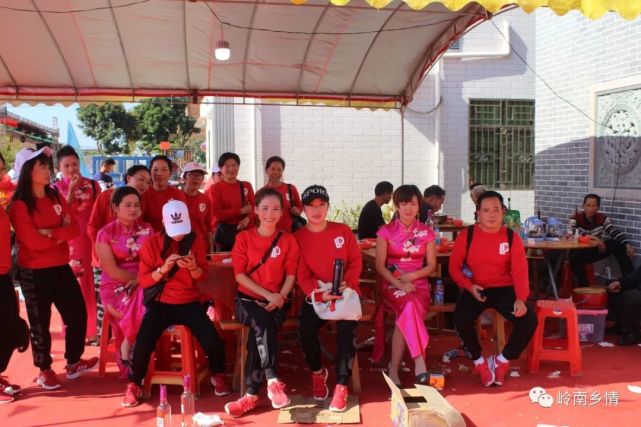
[{"x": 121, "y": 50}]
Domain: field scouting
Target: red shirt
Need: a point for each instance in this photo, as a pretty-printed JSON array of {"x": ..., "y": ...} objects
[
  {"x": 285, "y": 222},
  {"x": 181, "y": 288},
  {"x": 200, "y": 214},
  {"x": 318, "y": 251},
  {"x": 38, "y": 251},
  {"x": 226, "y": 202},
  {"x": 5, "y": 242},
  {"x": 154, "y": 200},
  {"x": 101, "y": 215},
  {"x": 249, "y": 249},
  {"x": 492, "y": 262}
]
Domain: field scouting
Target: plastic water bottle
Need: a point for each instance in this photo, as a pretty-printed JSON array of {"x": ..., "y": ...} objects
[
  {"x": 187, "y": 404},
  {"x": 163, "y": 411},
  {"x": 437, "y": 233},
  {"x": 467, "y": 272},
  {"x": 439, "y": 293}
]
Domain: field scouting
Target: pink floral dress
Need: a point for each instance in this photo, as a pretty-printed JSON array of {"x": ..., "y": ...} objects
[
  {"x": 86, "y": 193},
  {"x": 406, "y": 248},
  {"x": 125, "y": 245}
]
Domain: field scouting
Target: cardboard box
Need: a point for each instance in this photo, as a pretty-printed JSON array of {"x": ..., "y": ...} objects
[{"x": 421, "y": 406}]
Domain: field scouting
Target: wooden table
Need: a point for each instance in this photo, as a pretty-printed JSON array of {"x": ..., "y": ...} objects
[
  {"x": 554, "y": 253},
  {"x": 451, "y": 228}
]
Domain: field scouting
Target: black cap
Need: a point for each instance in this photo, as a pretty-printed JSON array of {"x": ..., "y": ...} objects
[{"x": 314, "y": 192}]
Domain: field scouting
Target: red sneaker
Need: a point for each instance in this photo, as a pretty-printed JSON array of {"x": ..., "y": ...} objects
[
  {"x": 276, "y": 393},
  {"x": 500, "y": 370},
  {"x": 7, "y": 387},
  {"x": 241, "y": 406},
  {"x": 221, "y": 388},
  {"x": 48, "y": 380},
  {"x": 319, "y": 385},
  {"x": 133, "y": 393},
  {"x": 81, "y": 367},
  {"x": 6, "y": 397},
  {"x": 339, "y": 401},
  {"x": 486, "y": 372}
]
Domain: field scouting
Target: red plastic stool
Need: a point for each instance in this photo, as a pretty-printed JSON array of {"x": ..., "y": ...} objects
[
  {"x": 108, "y": 351},
  {"x": 542, "y": 348},
  {"x": 168, "y": 368},
  {"x": 567, "y": 284}
]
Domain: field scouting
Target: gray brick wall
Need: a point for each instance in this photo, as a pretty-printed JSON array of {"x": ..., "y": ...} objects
[{"x": 572, "y": 54}]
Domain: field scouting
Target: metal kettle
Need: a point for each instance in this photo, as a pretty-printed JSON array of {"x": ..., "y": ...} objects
[
  {"x": 555, "y": 228},
  {"x": 535, "y": 228}
]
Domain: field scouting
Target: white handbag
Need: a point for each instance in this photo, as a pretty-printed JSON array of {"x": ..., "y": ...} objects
[{"x": 346, "y": 308}]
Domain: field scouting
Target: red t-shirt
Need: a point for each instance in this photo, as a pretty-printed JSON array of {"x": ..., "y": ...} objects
[
  {"x": 153, "y": 201},
  {"x": 101, "y": 215},
  {"x": 285, "y": 222},
  {"x": 181, "y": 288},
  {"x": 226, "y": 202},
  {"x": 318, "y": 251},
  {"x": 38, "y": 251},
  {"x": 249, "y": 249},
  {"x": 200, "y": 214},
  {"x": 5, "y": 242},
  {"x": 492, "y": 262}
]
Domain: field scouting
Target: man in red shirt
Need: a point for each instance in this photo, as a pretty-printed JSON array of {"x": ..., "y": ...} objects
[
  {"x": 492, "y": 269},
  {"x": 198, "y": 203}
]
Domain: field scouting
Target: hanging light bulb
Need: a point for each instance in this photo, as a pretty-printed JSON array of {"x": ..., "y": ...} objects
[{"x": 222, "y": 51}]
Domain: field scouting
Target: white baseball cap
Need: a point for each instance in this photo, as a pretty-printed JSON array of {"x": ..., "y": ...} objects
[
  {"x": 215, "y": 169},
  {"x": 175, "y": 218},
  {"x": 193, "y": 167},
  {"x": 26, "y": 154}
]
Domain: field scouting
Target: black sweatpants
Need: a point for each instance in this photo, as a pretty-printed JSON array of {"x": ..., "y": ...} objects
[
  {"x": 308, "y": 328},
  {"x": 468, "y": 309},
  {"x": 631, "y": 311},
  {"x": 8, "y": 319},
  {"x": 578, "y": 259},
  {"x": 58, "y": 286},
  {"x": 262, "y": 344},
  {"x": 158, "y": 317}
]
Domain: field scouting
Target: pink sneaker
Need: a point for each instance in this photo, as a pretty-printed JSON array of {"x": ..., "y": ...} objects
[
  {"x": 221, "y": 388},
  {"x": 486, "y": 372},
  {"x": 276, "y": 393},
  {"x": 319, "y": 385},
  {"x": 500, "y": 370},
  {"x": 133, "y": 393},
  {"x": 81, "y": 367},
  {"x": 48, "y": 380},
  {"x": 339, "y": 401},
  {"x": 241, "y": 406}
]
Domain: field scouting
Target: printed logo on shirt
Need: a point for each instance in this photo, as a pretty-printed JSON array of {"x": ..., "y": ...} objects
[
  {"x": 339, "y": 242},
  {"x": 58, "y": 209},
  {"x": 176, "y": 218},
  {"x": 504, "y": 248},
  {"x": 275, "y": 251},
  {"x": 202, "y": 207}
]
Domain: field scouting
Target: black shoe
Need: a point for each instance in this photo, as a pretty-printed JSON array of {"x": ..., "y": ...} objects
[
  {"x": 615, "y": 329},
  {"x": 629, "y": 339}
]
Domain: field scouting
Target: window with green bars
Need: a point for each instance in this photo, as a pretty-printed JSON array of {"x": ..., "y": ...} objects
[{"x": 501, "y": 151}]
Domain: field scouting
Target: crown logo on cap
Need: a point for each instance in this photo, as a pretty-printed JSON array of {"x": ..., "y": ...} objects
[{"x": 176, "y": 218}]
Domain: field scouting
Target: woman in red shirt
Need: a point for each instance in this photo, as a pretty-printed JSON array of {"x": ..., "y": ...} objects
[
  {"x": 292, "y": 205},
  {"x": 496, "y": 277},
  {"x": 263, "y": 288},
  {"x": 321, "y": 243},
  {"x": 44, "y": 225},
  {"x": 160, "y": 192},
  {"x": 81, "y": 194},
  {"x": 6, "y": 185},
  {"x": 172, "y": 261},
  {"x": 232, "y": 203},
  {"x": 198, "y": 203}
]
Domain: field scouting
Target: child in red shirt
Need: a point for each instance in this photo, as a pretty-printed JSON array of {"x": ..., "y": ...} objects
[
  {"x": 167, "y": 258},
  {"x": 232, "y": 203},
  {"x": 499, "y": 279},
  {"x": 44, "y": 224},
  {"x": 265, "y": 261},
  {"x": 321, "y": 242}
]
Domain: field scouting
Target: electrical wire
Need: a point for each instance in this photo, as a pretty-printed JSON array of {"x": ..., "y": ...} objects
[{"x": 62, "y": 12}]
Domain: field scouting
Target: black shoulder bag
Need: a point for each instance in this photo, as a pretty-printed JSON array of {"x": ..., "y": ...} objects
[
  {"x": 263, "y": 260},
  {"x": 225, "y": 234},
  {"x": 470, "y": 234},
  {"x": 153, "y": 293},
  {"x": 298, "y": 221}
]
